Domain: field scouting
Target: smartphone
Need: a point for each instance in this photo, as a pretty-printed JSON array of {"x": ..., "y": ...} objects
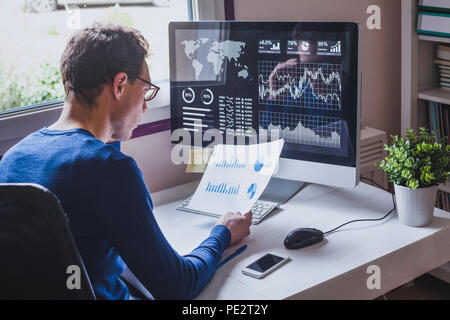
[{"x": 264, "y": 265}]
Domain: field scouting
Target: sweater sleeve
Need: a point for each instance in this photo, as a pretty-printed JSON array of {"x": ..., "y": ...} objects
[{"x": 132, "y": 229}]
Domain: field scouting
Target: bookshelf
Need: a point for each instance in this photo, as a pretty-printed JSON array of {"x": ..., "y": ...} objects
[
  {"x": 433, "y": 38},
  {"x": 420, "y": 77},
  {"x": 420, "y": 83},
  {"x": 435, "y": 94}
]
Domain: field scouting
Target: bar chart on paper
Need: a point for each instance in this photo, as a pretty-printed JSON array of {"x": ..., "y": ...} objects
[
  {"x": 231, "y": 181},
  {"x": 232, "y": 164},
  {"x": 222, "y": 190}
]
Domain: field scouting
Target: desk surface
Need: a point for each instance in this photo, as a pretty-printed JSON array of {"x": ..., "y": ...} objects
[{"x": 336, "y": 268}]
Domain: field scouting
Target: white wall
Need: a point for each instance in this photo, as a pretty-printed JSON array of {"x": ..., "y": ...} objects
[{"x": 380, "y": 48}]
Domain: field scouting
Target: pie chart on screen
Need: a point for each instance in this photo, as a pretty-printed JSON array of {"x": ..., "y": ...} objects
[{"x": 305, "y": 45}]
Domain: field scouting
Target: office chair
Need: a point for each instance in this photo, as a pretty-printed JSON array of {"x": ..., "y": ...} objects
[{"x": 37, "y": 247}]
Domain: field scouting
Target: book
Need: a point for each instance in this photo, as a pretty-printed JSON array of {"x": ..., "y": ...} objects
[
  {"x": 435, "y": 122},
  {"x": 435, "y": 5},
  {"x": 438, "y": 119},
  {"x": 442, "y": 200},
  {"x": 430, "y": 115},
  {"x": 443, "y": 68},
  {"x": 444, "y": 47},
  {"x": 442, "y": 62},
  {"x": 437, "y": 203},
  {"x": 433, "y": 23},
  {"x": 446, "y": 116},
  {"x": 438, "y": 115},
  {"x": 443, "y": 52}
]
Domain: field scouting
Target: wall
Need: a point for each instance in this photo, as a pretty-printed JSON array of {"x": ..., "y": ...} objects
[
  {"x": 380, "y": 48},
  {"x": 152, "y": 155}
]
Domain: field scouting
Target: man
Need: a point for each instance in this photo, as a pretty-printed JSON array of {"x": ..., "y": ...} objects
[{"x": 106, "y": 81}]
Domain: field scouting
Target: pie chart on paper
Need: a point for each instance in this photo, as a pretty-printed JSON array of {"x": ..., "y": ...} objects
[
  {"x": 251, "y": 191},
  {"x": 258, "y": 165}
]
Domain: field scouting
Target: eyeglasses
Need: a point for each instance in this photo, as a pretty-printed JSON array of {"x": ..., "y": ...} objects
[{"x": 151, "y": 93}]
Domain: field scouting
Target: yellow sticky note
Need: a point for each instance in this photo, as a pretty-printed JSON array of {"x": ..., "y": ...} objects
[{"x": 198, "y": 160}]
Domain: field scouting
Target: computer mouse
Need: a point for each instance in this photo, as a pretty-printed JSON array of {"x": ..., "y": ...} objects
[{"x": 303, "y": 237}]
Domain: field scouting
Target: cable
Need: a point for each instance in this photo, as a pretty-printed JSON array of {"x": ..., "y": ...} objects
[
  {"x": 364, "y": 178},
  {"x": 359, "y": 220}
]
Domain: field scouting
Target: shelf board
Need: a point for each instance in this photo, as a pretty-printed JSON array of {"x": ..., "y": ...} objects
[
  {"x": 436, "y": 94},
  {"x": 434, "y": 38}
]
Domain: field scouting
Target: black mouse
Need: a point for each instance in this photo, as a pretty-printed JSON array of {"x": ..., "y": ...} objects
[{"x": 303, "y": 237}]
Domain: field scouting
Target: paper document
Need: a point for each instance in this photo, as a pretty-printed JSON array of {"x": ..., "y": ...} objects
[{"x": 236, "y": 176}]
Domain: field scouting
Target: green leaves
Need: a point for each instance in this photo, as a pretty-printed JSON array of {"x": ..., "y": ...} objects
[
  {"x": 40, "y": 85},
  {"x": 417, "y": 160},
  {"x": 412, "y": 183},
  {"x": 407, "y": 174},
  {"x": 410, "y": 163}
]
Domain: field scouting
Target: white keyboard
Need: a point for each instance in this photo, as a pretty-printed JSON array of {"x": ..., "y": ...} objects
[{"x": 260, "y": 209}]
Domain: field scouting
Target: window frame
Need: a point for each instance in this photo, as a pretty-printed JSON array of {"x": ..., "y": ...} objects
[
  {"x": 17, "y": 123},
  {"x": 159, "y": 109}
]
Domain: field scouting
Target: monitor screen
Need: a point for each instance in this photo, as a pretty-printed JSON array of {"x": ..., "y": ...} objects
[{"x": 293, "y": 80}]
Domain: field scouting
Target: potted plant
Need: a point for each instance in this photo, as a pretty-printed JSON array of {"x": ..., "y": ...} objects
[{"x": 417, "y": 165}]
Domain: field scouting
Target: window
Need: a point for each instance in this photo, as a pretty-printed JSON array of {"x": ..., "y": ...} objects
[{"x": 35, "y": 32}]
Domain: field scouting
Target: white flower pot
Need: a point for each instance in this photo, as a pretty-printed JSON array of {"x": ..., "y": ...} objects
[{"x": 415, "y": 207}]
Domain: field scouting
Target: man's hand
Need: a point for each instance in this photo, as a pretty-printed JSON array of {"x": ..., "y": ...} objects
[{"x": 238, "y": 224}]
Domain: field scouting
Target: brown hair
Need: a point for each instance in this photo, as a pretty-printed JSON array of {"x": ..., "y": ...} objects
[{"x": 94, "y": 55}]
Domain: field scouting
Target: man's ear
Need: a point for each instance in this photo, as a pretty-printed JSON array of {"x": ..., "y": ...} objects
[{"x": 120, "y": 80}]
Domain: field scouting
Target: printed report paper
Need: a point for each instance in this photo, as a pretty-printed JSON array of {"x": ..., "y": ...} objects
[{"x": 236, "y": 176}]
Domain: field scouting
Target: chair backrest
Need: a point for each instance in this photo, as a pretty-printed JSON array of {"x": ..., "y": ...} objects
[{"x": 38, "y": 256}]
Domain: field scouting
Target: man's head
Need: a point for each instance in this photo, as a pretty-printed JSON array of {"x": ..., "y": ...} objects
[{"x": 101, "y": 64}]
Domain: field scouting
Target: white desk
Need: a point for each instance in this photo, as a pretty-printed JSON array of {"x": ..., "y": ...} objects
[{"x": 336, "y": 268}]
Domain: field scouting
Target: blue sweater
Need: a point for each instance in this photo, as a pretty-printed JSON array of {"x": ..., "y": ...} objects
[{"x": 110, "y": 212}]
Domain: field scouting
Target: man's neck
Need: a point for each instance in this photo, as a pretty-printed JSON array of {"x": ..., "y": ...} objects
[{"x": 92, "y": 119}]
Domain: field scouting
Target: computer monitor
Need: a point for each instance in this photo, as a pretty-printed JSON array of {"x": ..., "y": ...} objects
[{"x": 300, "y": 79}]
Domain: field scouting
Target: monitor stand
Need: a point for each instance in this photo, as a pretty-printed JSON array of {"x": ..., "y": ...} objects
[{"x": 281, "y": 190}]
